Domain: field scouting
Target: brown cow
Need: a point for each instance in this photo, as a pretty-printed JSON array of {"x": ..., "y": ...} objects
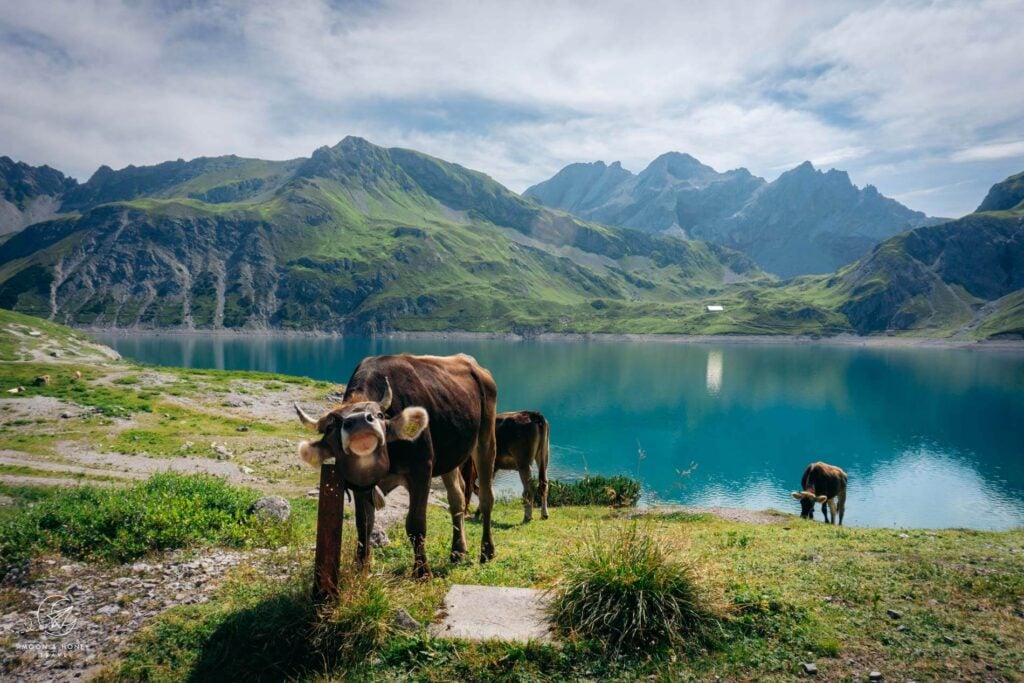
[
  {"x": 822, "y": 483},
  {"x": 403, "y": 420},
  {"x": 522, "y": 439}
]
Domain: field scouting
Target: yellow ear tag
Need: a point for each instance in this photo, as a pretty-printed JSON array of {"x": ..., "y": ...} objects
[{"x": 411, "y": 428}]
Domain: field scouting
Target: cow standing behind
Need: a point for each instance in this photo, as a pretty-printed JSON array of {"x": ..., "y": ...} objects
[
  {"x": 523, "y": 438},
  {"x": 403, "y": 420},
  {"x": 825, "y": 484}
]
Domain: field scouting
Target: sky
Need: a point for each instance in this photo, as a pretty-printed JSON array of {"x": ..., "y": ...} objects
[{"x": 924, "y": 100}]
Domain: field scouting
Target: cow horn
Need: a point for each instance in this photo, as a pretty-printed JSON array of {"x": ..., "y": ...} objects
[
  {"x": 385, "y": 402},
  {"x": 304, "y": 418}
]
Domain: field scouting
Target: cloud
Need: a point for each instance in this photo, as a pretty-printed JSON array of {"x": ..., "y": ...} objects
[
  {"x": 998, "y": 150},
  {"x": 517, "y": 90}
]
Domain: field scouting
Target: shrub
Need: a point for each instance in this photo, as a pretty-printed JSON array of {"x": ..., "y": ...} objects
[
  {"x": 627, "y": 593},
  {"x": 119, "y": 524},
  {"x": 615, "y": 491}
]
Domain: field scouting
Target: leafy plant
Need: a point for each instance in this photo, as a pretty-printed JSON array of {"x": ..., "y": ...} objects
[
  {"x": 617, "y": 491},
  {"x": 120, "y": 524}
]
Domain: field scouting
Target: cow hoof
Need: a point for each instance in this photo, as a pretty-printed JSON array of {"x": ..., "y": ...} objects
[
  {"x": 422, "y": 573},
  {"x": 486, "y": 555},
  {"x": 543, "y": 515},
  {"x": 527, "y": 520},
  {"x": 458, "y": 557}
]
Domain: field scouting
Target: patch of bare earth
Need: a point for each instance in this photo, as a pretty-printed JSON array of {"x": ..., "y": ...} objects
[{"x": 101, "y": 607}]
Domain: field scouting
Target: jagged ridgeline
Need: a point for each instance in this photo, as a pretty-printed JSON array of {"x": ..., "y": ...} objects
[
  {"x": 356, "y": 238},
  {"x": 804, "y": 222}
]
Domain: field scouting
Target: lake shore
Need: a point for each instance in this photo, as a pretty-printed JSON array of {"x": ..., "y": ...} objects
[{"x": 881, "y": 342}]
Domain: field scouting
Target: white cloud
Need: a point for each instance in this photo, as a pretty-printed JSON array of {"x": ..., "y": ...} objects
[
  {"x": 998, "y": 150},
  {"x": 885, "y": 89}
]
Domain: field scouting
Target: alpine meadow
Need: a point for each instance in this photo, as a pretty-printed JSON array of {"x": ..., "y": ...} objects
[{"x": 531, "y": 342}]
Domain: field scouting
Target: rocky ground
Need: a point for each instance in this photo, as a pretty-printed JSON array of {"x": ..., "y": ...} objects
[{"x": 106, "y": 605}]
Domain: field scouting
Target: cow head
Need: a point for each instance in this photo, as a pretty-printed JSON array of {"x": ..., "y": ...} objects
[
  {"x": 807, "y": 500},
  {"x": 356, "y": 435}
]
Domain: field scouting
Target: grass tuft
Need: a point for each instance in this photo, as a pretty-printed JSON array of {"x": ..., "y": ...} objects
[{"x": 628, "y": 593}]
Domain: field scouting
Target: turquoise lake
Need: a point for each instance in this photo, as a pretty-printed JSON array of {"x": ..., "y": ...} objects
[{"x": 929, "y": 437}]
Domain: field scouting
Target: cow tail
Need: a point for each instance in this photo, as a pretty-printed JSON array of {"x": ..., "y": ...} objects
[{"x": 543, "y": 458}]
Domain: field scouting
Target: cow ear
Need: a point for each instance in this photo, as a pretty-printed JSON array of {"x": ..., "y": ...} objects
[
  {"x": 822, "y": 499},
  {"x": 797, "y": 495},
  {"x": 408, "y": 425}
]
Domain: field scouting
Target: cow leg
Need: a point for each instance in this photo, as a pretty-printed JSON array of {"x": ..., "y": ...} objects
[
  {"x": 842, "y": 506},
  {"x": 832, "y": 508},
  {"x": 824, "y": 511},
  {"x": 485, "y": 475},
  {"x": 524, "y": 476},
  {"x": 466, "y": 473},
  {"x": 416, "y": 524},
  {"x": 364, "y": 526},
  {"x": 543, "y": 455},
  {"x": 457, "y": 504}
]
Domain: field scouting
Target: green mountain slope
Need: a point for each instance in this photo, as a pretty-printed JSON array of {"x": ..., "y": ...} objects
[
  {"x": 964, "y": 278},
  {"x": 356, "y": 238}
]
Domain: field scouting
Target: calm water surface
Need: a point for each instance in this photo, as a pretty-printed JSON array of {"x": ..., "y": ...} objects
[{"x": 929, "y": 437}]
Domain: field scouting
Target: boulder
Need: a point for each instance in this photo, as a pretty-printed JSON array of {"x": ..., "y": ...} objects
[{"x": 274, "y": 507}]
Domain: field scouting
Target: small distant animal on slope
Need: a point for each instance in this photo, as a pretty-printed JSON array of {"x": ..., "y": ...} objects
[
  {"x": 522, "y": 438},
  {"x": 825, "y": 484}
]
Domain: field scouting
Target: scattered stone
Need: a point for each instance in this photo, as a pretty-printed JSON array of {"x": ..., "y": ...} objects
[
  {"x": 222, "y": 451},
  {"x": 875, "y": 676},
  {"x": 904, "y": 535},
  {"x": 246, "y": 470},
  {"x": 379, "y": 538},
  {"x": 275, "y": 507},
  {"x": 902, "y": 627},
  {"x": 65, "y": 415},
  {"x": 108, "y": 610},
  {"x": 243, "y": 428},
  {"x": 949, "y": 640},
  {"x": 893, "y": 614},
  {"x": 6, "y": 501},
  {"x": 313, "y": 493},
  {"x": 403, "y": 621},
  {"x": 56, "y": 353},
  {"x": 810, "y": 669}
]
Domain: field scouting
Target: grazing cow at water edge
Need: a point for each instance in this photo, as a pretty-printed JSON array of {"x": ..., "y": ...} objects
[
  {"x": 825, "y": 484},
  {"x": 403, "y": 420},
  {"x": 522, "y": 439}
]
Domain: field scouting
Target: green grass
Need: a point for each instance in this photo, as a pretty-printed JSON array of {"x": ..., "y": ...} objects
[
  {"x": 616, "y": 491},
  {"x": 784, "y": 594},
  {"x": 165, "y": 512},
  {"x": 625, "y": 591}
]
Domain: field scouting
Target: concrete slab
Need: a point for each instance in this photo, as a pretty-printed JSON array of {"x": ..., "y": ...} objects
[{"x": 493, "y": 613}]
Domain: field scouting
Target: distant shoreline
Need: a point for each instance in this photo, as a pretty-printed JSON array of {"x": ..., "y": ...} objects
[{"x": 881, "y": 342}]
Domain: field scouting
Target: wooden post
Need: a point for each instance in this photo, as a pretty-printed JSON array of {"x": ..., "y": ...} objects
[{"x": 328, "y": 533}]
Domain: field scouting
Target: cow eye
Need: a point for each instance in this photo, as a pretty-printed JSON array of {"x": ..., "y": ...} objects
[{"x": 380, "y": 416}]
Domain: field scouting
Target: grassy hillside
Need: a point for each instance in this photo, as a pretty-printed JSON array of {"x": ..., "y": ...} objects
[{"x": 356, "y": 238}]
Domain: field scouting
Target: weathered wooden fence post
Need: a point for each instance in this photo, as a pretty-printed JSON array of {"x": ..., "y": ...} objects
[{"x": 328, "y": 533}]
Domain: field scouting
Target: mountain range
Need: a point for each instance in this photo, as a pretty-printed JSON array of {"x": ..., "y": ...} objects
[
  {"x": 803, "y": 222},
  {"x": 355, "y": 238},
  {"x": 362, "y": 239}
]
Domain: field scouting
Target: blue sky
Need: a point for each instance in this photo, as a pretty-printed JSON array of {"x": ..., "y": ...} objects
[{"x": 922, "y": 99}]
